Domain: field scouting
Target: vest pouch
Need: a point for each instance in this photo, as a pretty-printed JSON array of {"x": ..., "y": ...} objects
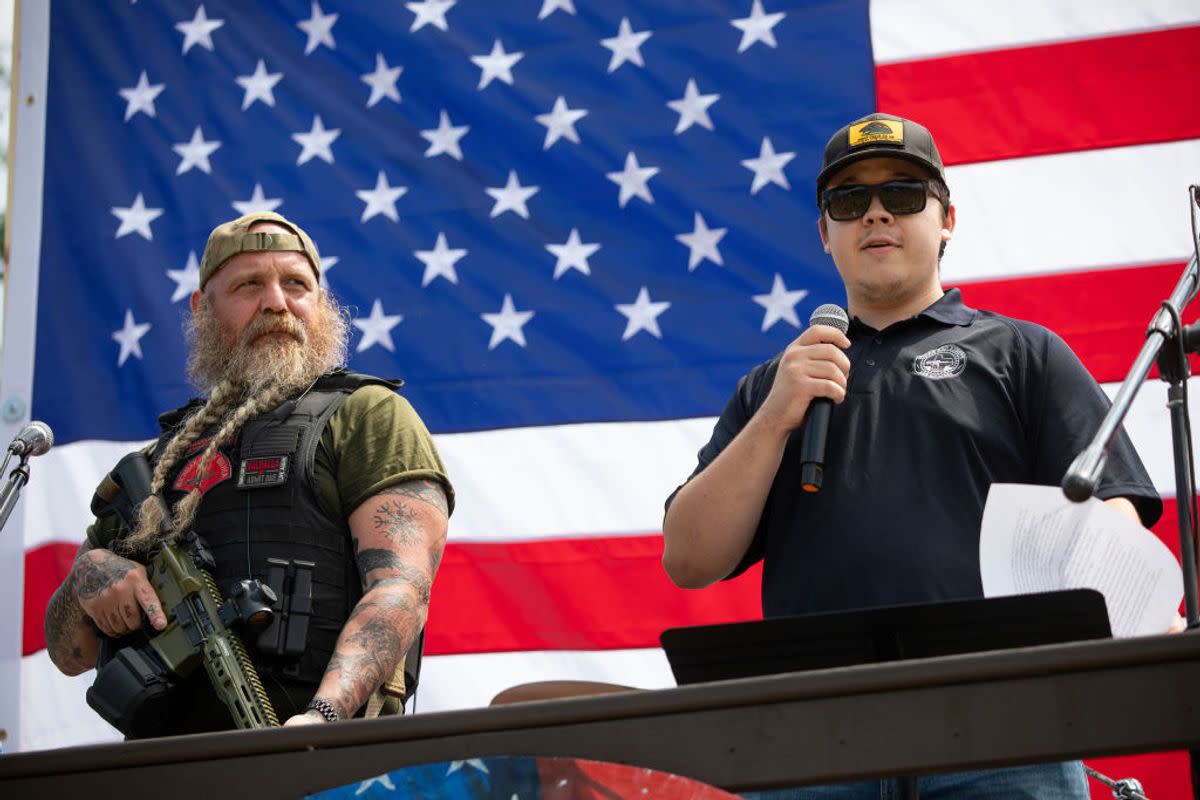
[
  {"x": 133, "y": 693},
  {"x": 287, "y": 635}
]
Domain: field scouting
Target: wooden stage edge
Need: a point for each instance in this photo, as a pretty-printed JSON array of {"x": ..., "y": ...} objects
[{"x": 916, "y": 717}]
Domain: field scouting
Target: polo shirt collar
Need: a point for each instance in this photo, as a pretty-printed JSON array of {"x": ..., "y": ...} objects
[{"x": 950, "y": 310}]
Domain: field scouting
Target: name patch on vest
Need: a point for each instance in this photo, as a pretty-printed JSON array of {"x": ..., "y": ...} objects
[{"x": 259, "y": 473}]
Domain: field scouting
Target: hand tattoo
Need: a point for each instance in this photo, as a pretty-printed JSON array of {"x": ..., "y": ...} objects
[{"x": 93, "y": 577}]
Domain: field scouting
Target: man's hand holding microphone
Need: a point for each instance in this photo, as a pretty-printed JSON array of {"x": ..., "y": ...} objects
[{"x": 812, "y": 377}]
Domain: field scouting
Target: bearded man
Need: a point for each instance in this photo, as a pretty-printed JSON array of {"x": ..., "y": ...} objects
[{"x": 288, "y": 459}]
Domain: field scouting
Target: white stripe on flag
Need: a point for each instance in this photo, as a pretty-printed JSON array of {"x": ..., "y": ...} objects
[
  {"x": 555, "y": 481},
  {"x": 471, "y": 681},
  {"x": 568, "y": 480},
  {"x": 945, "y": 28},
  {"x": 56, "y": 713},
  {"x": 62, "y": 718},
  {"x": 1123, "y": 206},
  {"x": 60, "y": 489}
]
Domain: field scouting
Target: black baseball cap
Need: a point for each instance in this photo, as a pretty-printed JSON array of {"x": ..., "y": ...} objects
[{"x": 880, "y": 135}]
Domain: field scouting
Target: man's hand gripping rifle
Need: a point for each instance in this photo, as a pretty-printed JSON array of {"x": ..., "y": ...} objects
[{"x": 132, "y": 690}]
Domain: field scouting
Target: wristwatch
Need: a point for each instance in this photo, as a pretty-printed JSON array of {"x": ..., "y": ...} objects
[{"x": 323, "y": 708}]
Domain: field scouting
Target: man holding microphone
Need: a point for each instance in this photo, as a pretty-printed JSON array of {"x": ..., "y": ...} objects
[{"x": 933, "y": 402}]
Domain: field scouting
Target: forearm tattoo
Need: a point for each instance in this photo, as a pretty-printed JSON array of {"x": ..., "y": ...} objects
[
  {"x": 418, "y": 579},
  {"x": 66, "y": 625},
  {"x": 375, "y": 638},
  {"x": 393, "y": 607}
]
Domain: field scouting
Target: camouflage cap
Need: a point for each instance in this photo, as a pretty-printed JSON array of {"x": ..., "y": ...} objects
[
  {"x": 880, "y": 136},
  {"x": 231, "y": 238}
]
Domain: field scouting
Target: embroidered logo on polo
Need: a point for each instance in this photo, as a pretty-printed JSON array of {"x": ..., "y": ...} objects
[
  {"x": 262, "y": 472},
  {"x": 947, "y": 361},
  {"x": 218, "y": 469},
  {"x": 877, "y": 130}
]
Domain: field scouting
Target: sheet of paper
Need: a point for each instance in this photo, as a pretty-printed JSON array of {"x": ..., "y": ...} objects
[{"x": 1035, "y": 540}]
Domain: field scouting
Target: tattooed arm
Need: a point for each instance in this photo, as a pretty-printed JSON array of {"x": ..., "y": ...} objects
[
  {"x": 109, "y": 590},
  {"x": 399, "y": 535}
]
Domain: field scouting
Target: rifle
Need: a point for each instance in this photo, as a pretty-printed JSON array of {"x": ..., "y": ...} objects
[{"x": 132, "y": 690}]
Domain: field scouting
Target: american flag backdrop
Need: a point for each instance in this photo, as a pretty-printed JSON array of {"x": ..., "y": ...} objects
[{"x": 570, "y": 226}]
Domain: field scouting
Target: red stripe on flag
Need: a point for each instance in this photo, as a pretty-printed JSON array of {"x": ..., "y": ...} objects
[
  {"x": 1107, "y": 92},
  {"x": 588, "y": 594},
  {"x": 45, "y": 568},
  {"x": 1102, "y": 315},
  {"x": 574, "y": 594},
  {"x": 1161, "y": 774}
]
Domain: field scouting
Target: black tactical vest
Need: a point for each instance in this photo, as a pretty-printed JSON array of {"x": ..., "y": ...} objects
[{"x": 260, "y": 502}]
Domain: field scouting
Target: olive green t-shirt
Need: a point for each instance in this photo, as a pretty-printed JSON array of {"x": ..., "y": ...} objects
[{"x": 374, "y": 440}]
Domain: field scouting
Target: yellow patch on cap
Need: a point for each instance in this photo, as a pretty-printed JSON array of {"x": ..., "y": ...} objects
[{"x": 877, "y": 130}]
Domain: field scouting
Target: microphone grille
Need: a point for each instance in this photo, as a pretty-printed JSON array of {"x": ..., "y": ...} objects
[
  {"x": 43, "y": 437},
  {"x": 45, "y": 429},
  {"x": 832, "y": 315}
]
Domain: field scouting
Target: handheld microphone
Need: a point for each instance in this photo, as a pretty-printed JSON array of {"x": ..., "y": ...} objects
[
  {"x": 816, "y": 422},
  {"x": 32, "y": 440}
]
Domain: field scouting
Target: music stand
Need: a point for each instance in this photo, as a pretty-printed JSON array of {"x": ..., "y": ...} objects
[{"x": 870, "y": 636}]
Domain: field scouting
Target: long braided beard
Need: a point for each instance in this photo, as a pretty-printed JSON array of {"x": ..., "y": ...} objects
[{"x": 274, "y": 358}]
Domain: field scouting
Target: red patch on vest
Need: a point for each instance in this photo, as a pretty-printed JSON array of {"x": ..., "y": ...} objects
[{"x": 218, "y": 470}]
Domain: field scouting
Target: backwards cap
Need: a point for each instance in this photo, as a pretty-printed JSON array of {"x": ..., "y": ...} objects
[{"x": 231, "y": 238}]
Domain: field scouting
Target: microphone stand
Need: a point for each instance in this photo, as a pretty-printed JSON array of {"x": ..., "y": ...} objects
[
  {"x": 1165, "y": 343},
  {"x": 1168, "y": 343},
  {"x": 12, "y": 488}
]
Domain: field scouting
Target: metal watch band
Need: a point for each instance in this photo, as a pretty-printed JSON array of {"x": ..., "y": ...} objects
[{"x": 323, "y": 708}]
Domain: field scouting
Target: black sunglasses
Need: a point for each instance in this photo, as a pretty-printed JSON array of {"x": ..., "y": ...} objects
[{"x": 845, "y": 203}]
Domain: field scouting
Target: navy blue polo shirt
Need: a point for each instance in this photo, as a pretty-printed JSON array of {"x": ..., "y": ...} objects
[{"x": 939, "y": 407}]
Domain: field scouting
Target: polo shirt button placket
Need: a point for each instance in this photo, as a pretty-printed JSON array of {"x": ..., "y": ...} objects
[
  {"x": 875, "y": 340},
  {"x": 865, "y": 380}
]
